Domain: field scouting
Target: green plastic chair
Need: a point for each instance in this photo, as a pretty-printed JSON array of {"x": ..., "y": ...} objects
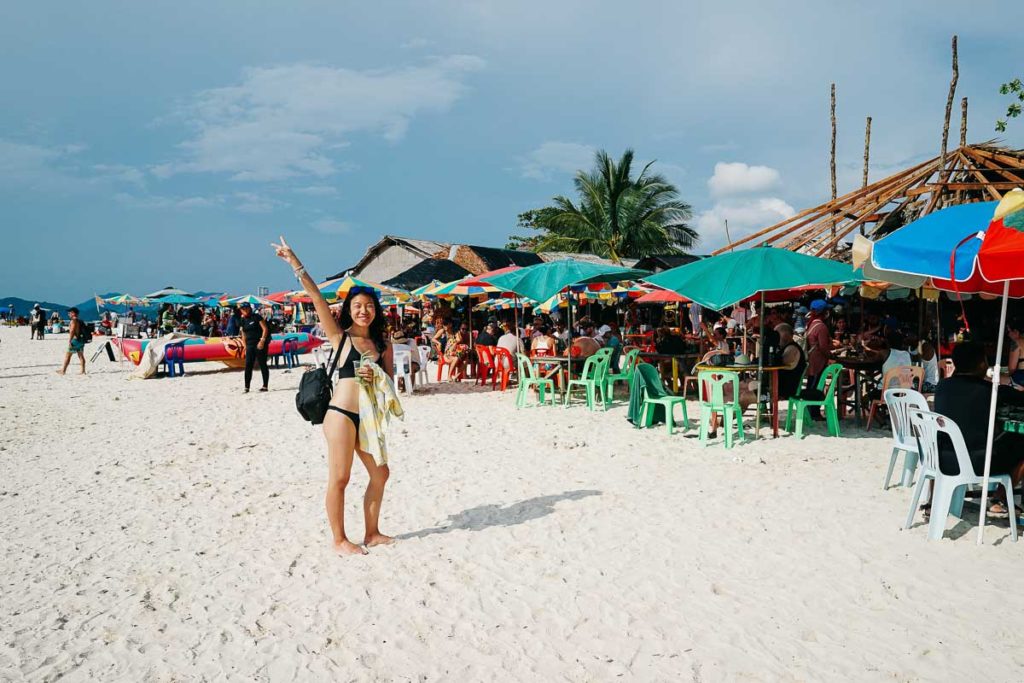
[
  {"x": 798, "y": 406},
  {"x": 629, "y": 361},
  {"x": 654, "y": 394},
  {"x": 711, "y": 390},
  {"x": 528, "y": 378},
  {"x": 593, "y": 379}
]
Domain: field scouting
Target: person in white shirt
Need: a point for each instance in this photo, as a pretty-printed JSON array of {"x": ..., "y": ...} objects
[{"x": 509, "y": 341}]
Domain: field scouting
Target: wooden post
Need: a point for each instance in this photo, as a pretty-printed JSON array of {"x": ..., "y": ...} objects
[
  {"x": 867, "y": 157},
  {"x": 963, "y": 122},
  {"x": 867, "y": 150},
  {"x": 832, "y": 162},
  {"x": 944, "y": 177}
]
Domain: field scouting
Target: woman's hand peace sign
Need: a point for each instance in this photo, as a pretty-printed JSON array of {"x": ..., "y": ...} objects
[{"x": 285, "y": 252}]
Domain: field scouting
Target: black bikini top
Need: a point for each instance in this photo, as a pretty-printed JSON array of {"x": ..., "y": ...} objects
[{"x": 347, "y": 364}]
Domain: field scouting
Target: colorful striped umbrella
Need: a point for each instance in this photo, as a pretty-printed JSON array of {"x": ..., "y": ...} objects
[{"x": 250, "y": 299}]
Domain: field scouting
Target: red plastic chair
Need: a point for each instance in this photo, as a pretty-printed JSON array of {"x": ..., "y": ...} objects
[
  {"x": 441, "y": 362},
  {"x": 485, "y": 364},
  {"x": 504, "y": 367}
]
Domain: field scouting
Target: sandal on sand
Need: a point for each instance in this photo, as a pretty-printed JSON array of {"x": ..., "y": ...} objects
[
  {"x": 997, "y": 508},
  {"x": 264, "y": 389}
]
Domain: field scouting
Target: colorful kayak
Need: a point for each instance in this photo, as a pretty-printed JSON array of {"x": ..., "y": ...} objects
[{"x": 225, "y": 349}]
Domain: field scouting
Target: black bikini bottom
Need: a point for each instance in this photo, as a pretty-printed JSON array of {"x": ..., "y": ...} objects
[{"x": 354, "y": 417}]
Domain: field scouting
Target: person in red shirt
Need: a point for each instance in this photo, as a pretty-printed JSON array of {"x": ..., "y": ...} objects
[{"x": 818, "y": 340}]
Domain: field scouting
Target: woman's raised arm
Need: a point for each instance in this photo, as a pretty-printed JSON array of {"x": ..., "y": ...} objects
[{"x": 323, "y": 310}]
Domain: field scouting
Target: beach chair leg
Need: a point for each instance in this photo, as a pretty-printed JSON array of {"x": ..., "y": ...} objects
[
  {"x": 668, "y": 417},
  {"x": 705, "y": 421},
  {"x": 914, "y": 502},
  {"x": 1008, "y": 487},
  {"x": 832, "y": 417},
  {"x": 941, "y": 498},
  {"x": 686, "y": 418},
  {"x": 892, "y": 466},
  {"x": 727, "y": 422},
  {"x": 909, "y": 469},
  {"x": 789, "y": 415},
  {"x": 801, "y": 411}
]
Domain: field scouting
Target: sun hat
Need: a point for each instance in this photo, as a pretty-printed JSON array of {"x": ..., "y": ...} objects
[{"x": 819, "y": 305}]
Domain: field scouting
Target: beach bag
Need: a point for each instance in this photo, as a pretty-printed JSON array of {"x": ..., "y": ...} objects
[
  {"x": 720, "y": 360},
  {"x": 85, "y": 332},
  {"x": 316, "y": 387}
]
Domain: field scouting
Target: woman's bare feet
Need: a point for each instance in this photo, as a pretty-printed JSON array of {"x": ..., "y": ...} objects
[
  {"x": 349, "y": 548},
  {"x": 377, "y": 539}
]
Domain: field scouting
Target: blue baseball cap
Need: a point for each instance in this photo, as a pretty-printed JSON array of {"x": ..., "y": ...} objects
[{"x": 819, "y": 305}]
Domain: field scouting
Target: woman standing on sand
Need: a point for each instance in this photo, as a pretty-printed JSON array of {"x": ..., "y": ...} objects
[{"x": 362, "y": 332}]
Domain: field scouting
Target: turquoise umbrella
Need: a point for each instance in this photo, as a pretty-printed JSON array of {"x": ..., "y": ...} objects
[
  {"x": 723, "y": 280},
  {"x": 542, "y": 281}
]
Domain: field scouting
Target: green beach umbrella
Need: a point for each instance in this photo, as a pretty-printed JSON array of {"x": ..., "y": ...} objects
[
  {"x": 542, "y": 281},
  {"x": 723, "y": 280}
]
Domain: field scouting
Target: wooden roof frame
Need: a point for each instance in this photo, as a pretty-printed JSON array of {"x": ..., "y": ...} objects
[{"x": 971, "y": 173}]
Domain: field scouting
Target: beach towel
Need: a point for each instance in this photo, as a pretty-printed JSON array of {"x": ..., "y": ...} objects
[
  {"x": 636, "y": 403},
  {"x": 378, "y": 403}
]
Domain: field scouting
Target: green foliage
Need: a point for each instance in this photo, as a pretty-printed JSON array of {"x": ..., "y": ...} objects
[
  {"x": 1016, "y": 90},
  {"x": 528, "y": 221},
  {"x": 615, "y": 215}
]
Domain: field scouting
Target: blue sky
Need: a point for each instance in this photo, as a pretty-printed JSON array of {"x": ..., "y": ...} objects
[{"x": 147, "y": 144}]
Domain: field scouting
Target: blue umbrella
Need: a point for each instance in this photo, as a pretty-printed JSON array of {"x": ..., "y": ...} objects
[{"x": 924, "y": 247}]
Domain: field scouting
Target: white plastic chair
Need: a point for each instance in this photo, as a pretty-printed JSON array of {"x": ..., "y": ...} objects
[
  {"x": 403, "y": 367},
  {"x": 899, "y": 403},
  {"x": 948, "y": 495},
  {"x": 422, "y": 375}
]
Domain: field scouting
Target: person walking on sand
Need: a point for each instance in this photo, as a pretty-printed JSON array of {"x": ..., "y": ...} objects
[
  {"x": 76, "y": 344},
  {"x": 255, "y": 338},
  {"x": 362, "y": 332},
  {"x": 37, "y": 322}
]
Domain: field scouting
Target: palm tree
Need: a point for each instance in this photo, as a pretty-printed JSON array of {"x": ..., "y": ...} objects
[{"x": 617, "y": 216}]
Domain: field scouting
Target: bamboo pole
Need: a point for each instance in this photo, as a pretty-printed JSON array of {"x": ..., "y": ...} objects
[
  {"x": 963, "y": 122},
  {"x": 867, "y": 157},
  {"x": 949, "y": 106},
  {"x": 832, "y": 161},
  {"x": 867, "y": 150}
]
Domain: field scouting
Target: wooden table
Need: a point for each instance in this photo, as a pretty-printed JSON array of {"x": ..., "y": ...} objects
[
  {"x": 562, "y": 371},
  {"x": 773, "y": 370},
  {"x": 676, "y": 387},
  {"x": 857, "y": 366}
]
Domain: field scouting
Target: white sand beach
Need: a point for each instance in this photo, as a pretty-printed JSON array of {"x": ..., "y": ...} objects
[{"x": 174, "y": 530}]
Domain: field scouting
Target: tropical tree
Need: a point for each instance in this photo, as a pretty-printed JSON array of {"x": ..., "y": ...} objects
[
  {"x": 615, "y": 216},
  {"x": 1015, "y": 89}
]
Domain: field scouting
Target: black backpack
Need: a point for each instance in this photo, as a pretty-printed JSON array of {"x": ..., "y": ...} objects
[
  {"x": 316, "y": 387},
  {"x": 85, "y": 332}
]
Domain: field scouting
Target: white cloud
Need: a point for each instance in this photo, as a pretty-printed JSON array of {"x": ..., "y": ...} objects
[
  {"x": 151, "y": 201},
  {"x": 556, "y": 158},
  {"x": 250, "y": 202},
  {"x": 738, "y": 178},
  {"x": 317, "y": 191},
  {"x": 416, "y": 44},
  {"x": 745, "y": 216},
  {"x": 331, "y": 226},
  {"x": 281, "y": 122},
  {"x": 58, "y": 169}
]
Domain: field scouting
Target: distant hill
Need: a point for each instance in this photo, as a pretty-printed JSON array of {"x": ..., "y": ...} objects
[
  {"x": 23, "y": 306},
  {"x": 87, "y": 309}
]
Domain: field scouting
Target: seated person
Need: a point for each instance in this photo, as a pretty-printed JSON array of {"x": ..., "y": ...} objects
[
  {"x": 794, "y": 360},
  {"x": 585, "y": 346},
  {"x": 668, "y": 342},
  {"x": 543, "y": 343},
  {"x": 510, "y": 342},
  {"x": 613, "y": 340},
  {"x": 399, "y": 342},
  {"x": 964, "y": 398},
  {"x": 489, "y": 335}
]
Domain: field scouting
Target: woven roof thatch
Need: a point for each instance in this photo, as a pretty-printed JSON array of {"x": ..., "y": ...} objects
[{"x": 972, "y": 173}]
